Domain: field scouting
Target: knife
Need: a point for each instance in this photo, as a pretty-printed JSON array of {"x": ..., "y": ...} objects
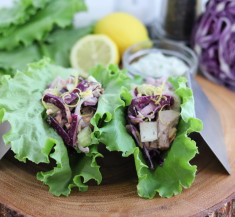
[
  {"x": 212, "y": 126},
  {"x": 4, "y": 128}
]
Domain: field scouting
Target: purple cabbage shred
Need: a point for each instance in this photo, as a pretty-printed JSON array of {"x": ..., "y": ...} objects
[
  {"x": 213, "y": 39},
  {"x": 59, "y": 130}
]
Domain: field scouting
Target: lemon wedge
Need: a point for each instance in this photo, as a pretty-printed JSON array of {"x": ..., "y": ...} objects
[{"x": 92, "y": 50}]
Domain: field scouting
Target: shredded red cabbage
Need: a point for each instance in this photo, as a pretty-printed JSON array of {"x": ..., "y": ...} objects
[
  {"x": 83, "y": 85},
  {"x": 146, "y": 107},
  {"x": 73, "y": 130},
  {"x": 154, "y": 156},
  {"x": 213, "y": 40},
  {"x": 70, "y": 105},
  {"x": 131, "y": 129},
  {"x": 59, "y": 130},
  {"x": 55, "y": 100},
  {"x": 71, "y": 97}
]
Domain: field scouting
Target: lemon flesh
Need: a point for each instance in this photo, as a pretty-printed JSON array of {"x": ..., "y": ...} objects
[
  {"x": 124, "y": 29},
  {"x": 92, "y": 50}
]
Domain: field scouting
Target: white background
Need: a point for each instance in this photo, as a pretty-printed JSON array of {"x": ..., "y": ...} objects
[{"x": 146, "y": 10}]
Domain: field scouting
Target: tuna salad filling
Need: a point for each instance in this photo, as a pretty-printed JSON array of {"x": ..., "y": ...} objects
[
  {"x": 70, "y": 104},
  {"x": 152, "y": 118}
]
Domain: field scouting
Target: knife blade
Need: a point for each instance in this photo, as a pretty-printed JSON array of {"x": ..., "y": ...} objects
[
  {"x": 212, "y": 132},
  {"x": 4, "y": 128}
]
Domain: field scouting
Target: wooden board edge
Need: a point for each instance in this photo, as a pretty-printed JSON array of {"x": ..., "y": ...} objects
[
  {"x": 224, "y": 208},
  {"x": 7, "y": 211}
]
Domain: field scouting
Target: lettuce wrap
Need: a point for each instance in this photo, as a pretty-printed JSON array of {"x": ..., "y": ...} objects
[
  {"x": 33, "y": 139},
  {"x": 173, "y": 170}
]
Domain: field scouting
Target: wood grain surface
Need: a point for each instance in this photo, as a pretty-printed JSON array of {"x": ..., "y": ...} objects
[{"x": 21, "y": 194}]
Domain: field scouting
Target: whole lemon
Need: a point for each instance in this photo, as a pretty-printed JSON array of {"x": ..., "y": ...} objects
[{"x": 124, "y": 29}]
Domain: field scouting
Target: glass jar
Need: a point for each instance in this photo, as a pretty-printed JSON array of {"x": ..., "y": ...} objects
[
  {"x": 177, "y": 19},
  {"x": 166, "y": 47}
]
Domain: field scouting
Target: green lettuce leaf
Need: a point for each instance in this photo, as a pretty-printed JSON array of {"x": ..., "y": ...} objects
[
  {"x": 57, "y": 13},
  {"x": 176, "y": 172},
  {"x": 11, "y": 61},
  {"x": 56, "y": 46},
  {"x": 114, "y": 134},
  {"x": 19, "y": 13},
  {"x": 31, "y": 137},
  {"x": 71, "y": 170},
  {"x": 115, "y": 83}
]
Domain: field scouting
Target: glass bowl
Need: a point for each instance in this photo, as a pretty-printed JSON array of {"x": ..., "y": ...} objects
[{"x": 166, "y": 47}]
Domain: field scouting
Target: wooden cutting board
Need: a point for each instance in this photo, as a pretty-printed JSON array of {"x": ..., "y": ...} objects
[{"x": 22, "y": 194}]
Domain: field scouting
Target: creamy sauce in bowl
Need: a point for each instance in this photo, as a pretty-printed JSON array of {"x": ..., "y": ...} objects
[{"x": 156, "y": 64}]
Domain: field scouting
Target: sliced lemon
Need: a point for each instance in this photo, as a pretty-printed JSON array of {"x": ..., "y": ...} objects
[{"x": 92, "y": 50}]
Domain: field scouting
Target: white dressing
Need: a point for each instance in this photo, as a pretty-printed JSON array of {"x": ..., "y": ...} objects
[{"x": 158, "y": 65}]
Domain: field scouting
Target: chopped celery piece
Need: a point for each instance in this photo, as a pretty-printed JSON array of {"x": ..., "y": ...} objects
[{"x": 84, "y": 137}]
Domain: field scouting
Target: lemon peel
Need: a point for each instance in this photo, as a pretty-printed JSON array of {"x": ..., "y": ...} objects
[
  {"x": 159, "y": 115},
  {"x": 68, "y": 93},
  {"x": 86, "y": 93}
]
